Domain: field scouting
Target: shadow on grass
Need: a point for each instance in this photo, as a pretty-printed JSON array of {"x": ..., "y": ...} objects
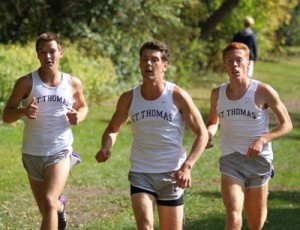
[
  {"x": 292, "y": 197},
  {"x": 283, "y": 213},
  {"x": 212, "y": 223}
]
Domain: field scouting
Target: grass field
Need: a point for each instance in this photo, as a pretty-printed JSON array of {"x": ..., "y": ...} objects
[{"x": 99, "y": 193}]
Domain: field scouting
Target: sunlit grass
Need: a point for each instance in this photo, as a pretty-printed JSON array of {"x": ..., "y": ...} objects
[{"x": 99, "y": 193}]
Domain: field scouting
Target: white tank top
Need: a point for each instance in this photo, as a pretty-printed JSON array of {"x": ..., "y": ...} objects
[
  {"x": 242, "y": 122},
  {"x": 157, "y": 129},
  {"x": 50, "y": 133}
]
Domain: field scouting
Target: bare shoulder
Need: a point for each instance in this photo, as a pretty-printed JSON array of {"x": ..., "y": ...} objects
[
  {"x": 264, "y": 86},
  {"x": 266, "y": 96},
  {"x": 126, "y": 96},
  {"x": 125, "y": 100},
  {"x": 215, "y": 91},
  {"x": 75, "y": 82},
  {"x": 21, "y": 90},
  {"x": 265, "y": 90},
  {"x": 24, "y": 84},
  {"x": 180, "y": 94},
  {"x": 182, "y": 99},
  {"x": 214, "y": 95},
  {"x": 26, "y": 79}
]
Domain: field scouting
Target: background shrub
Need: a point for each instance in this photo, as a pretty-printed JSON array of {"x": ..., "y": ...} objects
[{"x": 96, "y": 73}]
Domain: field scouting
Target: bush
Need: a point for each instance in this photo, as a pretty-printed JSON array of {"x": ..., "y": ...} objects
[
  {"x": 97, "y": 74},
  {"x": 15, "y": 62}
]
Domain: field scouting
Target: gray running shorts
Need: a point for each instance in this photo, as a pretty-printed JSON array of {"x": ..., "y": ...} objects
[
  {"x": 251, "y": 172},
  {"x": 160, "y": 185},
  {"x": 35, "y": 165}
]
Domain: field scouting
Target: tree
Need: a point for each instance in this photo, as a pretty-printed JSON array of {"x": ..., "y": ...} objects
[
  {"x": 216, "y": 17},
  {"x": 195, "y": 30},
  {"x": 224, "y": 18},
  {"x": 289, "y": 31}
]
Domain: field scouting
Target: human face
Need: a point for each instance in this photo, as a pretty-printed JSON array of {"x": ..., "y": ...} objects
[
  {"x": 49, "y": 54},
  {"x": 236, "y": 63},
  {"x": 151, "y": 64}
]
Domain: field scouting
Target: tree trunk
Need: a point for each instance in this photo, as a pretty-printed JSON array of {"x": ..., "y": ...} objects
[{"x": 209, "y": 26}]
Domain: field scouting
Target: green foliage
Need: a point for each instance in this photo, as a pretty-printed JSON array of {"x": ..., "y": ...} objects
[
  {"x": 289, "y": 32},
  {"x": 268, "y": 15},
  {"x": 273, "y": 12},
  {"x": 96, "y": 73},
  {"x": 133, "y": 23},
  {"x": 15, "y": 61},
  {"x": 116, "y": 29}
]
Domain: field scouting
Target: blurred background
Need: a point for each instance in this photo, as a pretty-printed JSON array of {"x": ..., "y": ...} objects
[{"x": 102, "y": 38}]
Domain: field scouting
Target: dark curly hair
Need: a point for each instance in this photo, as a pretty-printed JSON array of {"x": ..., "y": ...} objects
[{"x": 156, "y": 45}]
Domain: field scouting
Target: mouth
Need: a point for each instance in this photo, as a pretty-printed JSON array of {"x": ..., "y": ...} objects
[
  {"x": 48, "y": 62},
  {"x": 148, "y": 71},
  {"x": 235, "y": 72}
]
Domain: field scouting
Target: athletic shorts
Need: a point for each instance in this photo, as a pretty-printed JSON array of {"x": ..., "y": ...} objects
[
  {"x": 35, "y": 165},
  {"x": 160, "y": 185},
  {"x": 252, "y": 172}
]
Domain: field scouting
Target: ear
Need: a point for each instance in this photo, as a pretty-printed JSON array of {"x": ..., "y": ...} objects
[
  {"x": 166, "y": 66},
  {"x": 224, "y": 69}
]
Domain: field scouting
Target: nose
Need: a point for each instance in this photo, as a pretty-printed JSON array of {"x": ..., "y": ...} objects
[
  {"x": 235, "y": 63},
  {"x": 149, "y": 62}
]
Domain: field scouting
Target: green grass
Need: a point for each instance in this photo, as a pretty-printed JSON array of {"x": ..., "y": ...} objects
[
  {"x": 99, "y": 193},
  {"x": 283, "y": 74}
]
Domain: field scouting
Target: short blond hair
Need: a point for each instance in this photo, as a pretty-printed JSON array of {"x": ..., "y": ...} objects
[{"x": 249, "y": 21}]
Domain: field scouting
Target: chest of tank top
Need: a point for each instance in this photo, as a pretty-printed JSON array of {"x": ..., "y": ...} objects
[
  {"x": 154, "y": 111},
  {"x": 57, "y": 98},
  {"x": 243, "y": 108}
]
